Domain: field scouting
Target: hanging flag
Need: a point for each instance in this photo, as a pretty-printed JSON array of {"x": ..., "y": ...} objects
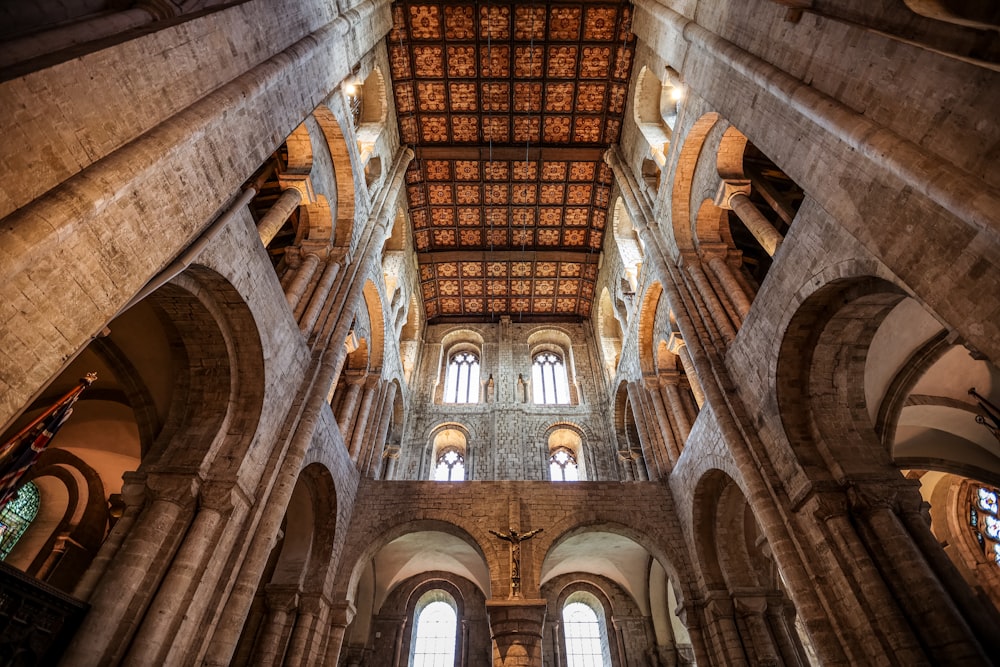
[{"x": 19, "y": 453}]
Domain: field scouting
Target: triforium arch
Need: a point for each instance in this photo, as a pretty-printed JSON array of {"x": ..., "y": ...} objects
[{"x": 344, "y": 233}]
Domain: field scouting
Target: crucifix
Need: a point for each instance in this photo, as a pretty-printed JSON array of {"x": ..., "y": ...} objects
[{"x": 515, "y": 538}]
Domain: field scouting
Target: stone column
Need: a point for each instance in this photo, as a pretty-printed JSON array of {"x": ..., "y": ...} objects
[
  {"x": 303, "y": 275},
  {"x": 382, "y": 432},
  {"x": 733, "y": 195},
  {"x": 733, "y": 289},
  {"x": 516, "y": 627},
  {"x": 391, "y": 461},
  {"x": 711, "y": 300},
  {"x": 677, "y": 346},
  {"x": 848, "y": 565},
  {"x": 345, "y": 417},
  {"x": 648, "y": 438},
  {"x": 157, "y": 634},
  {"x": 319, "y": 297},
  {"x": 720, "y": 622},
  {"x": 307, "y": 634},
  {"x": 134, "y": 496},
  {"x": 750, "y": 609},
  {"x": 125, "y": 586},
  {"x": 919, "y": 592},
  {"x": 281, "y": 601},
  {"x": 780, "y": 616},
  {"x": 364, "y": 412},
  {"x": 670, "y": 389},
  {"x": 340, "y": 617},
  {"x": 278, "y": 214},
  {"x": 671, "y": 448}
]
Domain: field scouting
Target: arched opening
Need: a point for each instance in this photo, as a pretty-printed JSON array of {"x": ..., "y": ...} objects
[
  {"x": 566, "y": 456},
  {"x": 585, "y": 632},
  {"x": 867, "y": 355},
  {"x": 448, "y": 455},
  {"x": 740, "y": 573},
  {"x": 298, "y": 563},
  {"x": 435, "y": 630},
  {"x": 609, "y": 333}
]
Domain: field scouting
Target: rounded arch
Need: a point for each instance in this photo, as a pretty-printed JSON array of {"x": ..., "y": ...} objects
[
  {"x": 609, "y": 332},
  {"x": 300, "y": 152},
  {"x": 225, "y": 357},
  {"x": 575, "y": 439},
  {"x": 373, "y": 303},
  {"x": 825, "y": 343},
  {"x": 449, "y": 458},
  {"x": 647, "y": 116},
  {"x": 647, "y": 327},
  {"x": 628, "y": 243},
  {"x": 687, "y": 162},
  {"x": 391, "y": 532},
  {"x": 729, "y": 159},
  {"x": 614, "y": 550},
  {"x": 343, "y": 205}
]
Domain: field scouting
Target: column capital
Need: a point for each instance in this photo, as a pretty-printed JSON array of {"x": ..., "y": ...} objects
[
  {"x": 178, "y": 488},
  {"x": 669, "y": 378},
  {"x": 342, "y": 613},
  {"x": 358, "y": 378},
  {"x": 281, "y": 597},
  {"x": 301, "y": 183},
  {"x": 729, "y": 189},
  {"x": 675, "y": 343},
  {"x": 221, "y": 495},
  {"x": 517, "y": 623}
]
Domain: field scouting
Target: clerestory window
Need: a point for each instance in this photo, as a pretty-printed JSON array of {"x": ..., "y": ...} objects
[
  {"x": 548, "y": 379},
  {"x": 462, "y": 382}
]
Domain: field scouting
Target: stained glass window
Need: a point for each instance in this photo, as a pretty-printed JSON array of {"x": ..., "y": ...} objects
[
  {"x": 563, "y": 466},
  {"x": 16, "y": 516},
  {"x": 984, "y": 520},
  {"x": 462, "y": 382},
  {"x": 450, "y": 466},
  {"x": 548, "y": 379},
  {"x": 434, "y": 643},
  {"x": 584, "y": 641}
]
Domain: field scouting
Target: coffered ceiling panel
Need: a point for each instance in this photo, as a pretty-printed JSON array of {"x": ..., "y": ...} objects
[{"x": 509, "y": 107}]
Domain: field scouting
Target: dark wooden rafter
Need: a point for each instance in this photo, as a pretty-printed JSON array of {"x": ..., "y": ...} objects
[{"x": 510, "y": 107}]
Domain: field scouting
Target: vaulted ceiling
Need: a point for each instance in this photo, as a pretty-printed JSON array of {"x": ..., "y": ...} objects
[{"x": 509, "y": 107}]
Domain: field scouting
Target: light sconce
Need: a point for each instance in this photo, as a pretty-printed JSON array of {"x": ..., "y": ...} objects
[{"x": 989, "y": 415}]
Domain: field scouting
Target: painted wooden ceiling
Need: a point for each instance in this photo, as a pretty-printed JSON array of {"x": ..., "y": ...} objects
[{"x": 509, "y": 107}]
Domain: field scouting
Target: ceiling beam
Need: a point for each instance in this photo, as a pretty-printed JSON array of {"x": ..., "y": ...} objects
[
  {"x": 582, "y": 256},
  {"x": 508, "y": 153}
]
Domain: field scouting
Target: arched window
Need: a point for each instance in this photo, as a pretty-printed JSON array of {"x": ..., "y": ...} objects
[
  {"x": 548, "y": 379},
  {"x": 462, "y": 384},
  {"x": 984, "y": 519},
  {"x": 16, "y": 516},
  {"x": 563, "y": 466},
  {"x": 586, "y": 644},
  {"x": 450, "y": 466},
  {"x": 436, "y": 632}
]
